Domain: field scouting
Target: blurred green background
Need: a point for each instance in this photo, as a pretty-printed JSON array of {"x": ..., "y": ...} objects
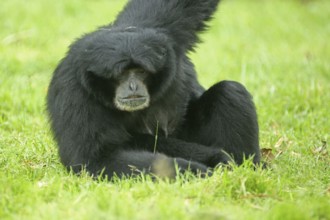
[{"x": 279, "y": 49}]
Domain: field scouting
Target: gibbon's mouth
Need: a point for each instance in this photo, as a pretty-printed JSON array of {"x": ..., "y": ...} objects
[
  {"x": 133, "y": 97},
  {"x": 132, "y": 103}
]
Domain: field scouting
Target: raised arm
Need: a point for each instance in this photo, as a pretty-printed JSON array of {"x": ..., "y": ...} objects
[{"x": 181, "y": 19}]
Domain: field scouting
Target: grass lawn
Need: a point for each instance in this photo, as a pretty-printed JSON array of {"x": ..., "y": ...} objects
[{"x": 279, "y": 49}]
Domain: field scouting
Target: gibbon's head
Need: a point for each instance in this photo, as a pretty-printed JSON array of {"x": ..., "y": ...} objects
[{"x": 126, "y": 68}]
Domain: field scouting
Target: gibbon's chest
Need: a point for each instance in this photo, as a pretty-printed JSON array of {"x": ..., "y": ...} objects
[
  {"x": 163, "y": 117},
  {"x": 163, "y": 122}
]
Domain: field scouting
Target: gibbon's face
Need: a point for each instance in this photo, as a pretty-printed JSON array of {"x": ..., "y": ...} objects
[
  {"x": 126, "y": 69},
  {"x": 131, "y": 92}
]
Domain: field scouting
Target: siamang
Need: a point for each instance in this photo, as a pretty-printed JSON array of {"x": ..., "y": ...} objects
[{"x": 125, "y": 99}]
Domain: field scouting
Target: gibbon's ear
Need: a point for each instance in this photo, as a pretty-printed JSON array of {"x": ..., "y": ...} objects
[{"x": 180, "y": 19}]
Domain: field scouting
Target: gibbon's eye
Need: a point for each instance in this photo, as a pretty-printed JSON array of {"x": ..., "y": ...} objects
[
  {"x": 163, "y": 52},
  {"x": 140, "y": 71},
  {"x": 92, "y": 70},
  {"x": 99, "y": 72}
]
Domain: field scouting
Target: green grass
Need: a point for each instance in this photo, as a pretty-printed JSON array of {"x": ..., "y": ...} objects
[{"x": 279, "y": 49}]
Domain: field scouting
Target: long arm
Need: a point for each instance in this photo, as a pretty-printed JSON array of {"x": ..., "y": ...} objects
[
  {"x": 173, "y": 147},
  {"x": 181, "y": 19}
]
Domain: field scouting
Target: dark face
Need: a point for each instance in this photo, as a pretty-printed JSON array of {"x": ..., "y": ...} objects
[
  {"x": 132, "y": 93},
  {"x": 125, "y": 69}
]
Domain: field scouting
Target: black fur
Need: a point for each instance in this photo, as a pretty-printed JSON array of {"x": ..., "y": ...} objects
[{"x": 184, "y": 123}]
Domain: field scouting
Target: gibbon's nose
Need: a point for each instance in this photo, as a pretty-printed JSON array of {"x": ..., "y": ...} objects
[{"x": 133, "y": 86}]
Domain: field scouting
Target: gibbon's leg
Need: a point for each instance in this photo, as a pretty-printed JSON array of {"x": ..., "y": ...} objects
[{"x": 224, "y": 117}]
